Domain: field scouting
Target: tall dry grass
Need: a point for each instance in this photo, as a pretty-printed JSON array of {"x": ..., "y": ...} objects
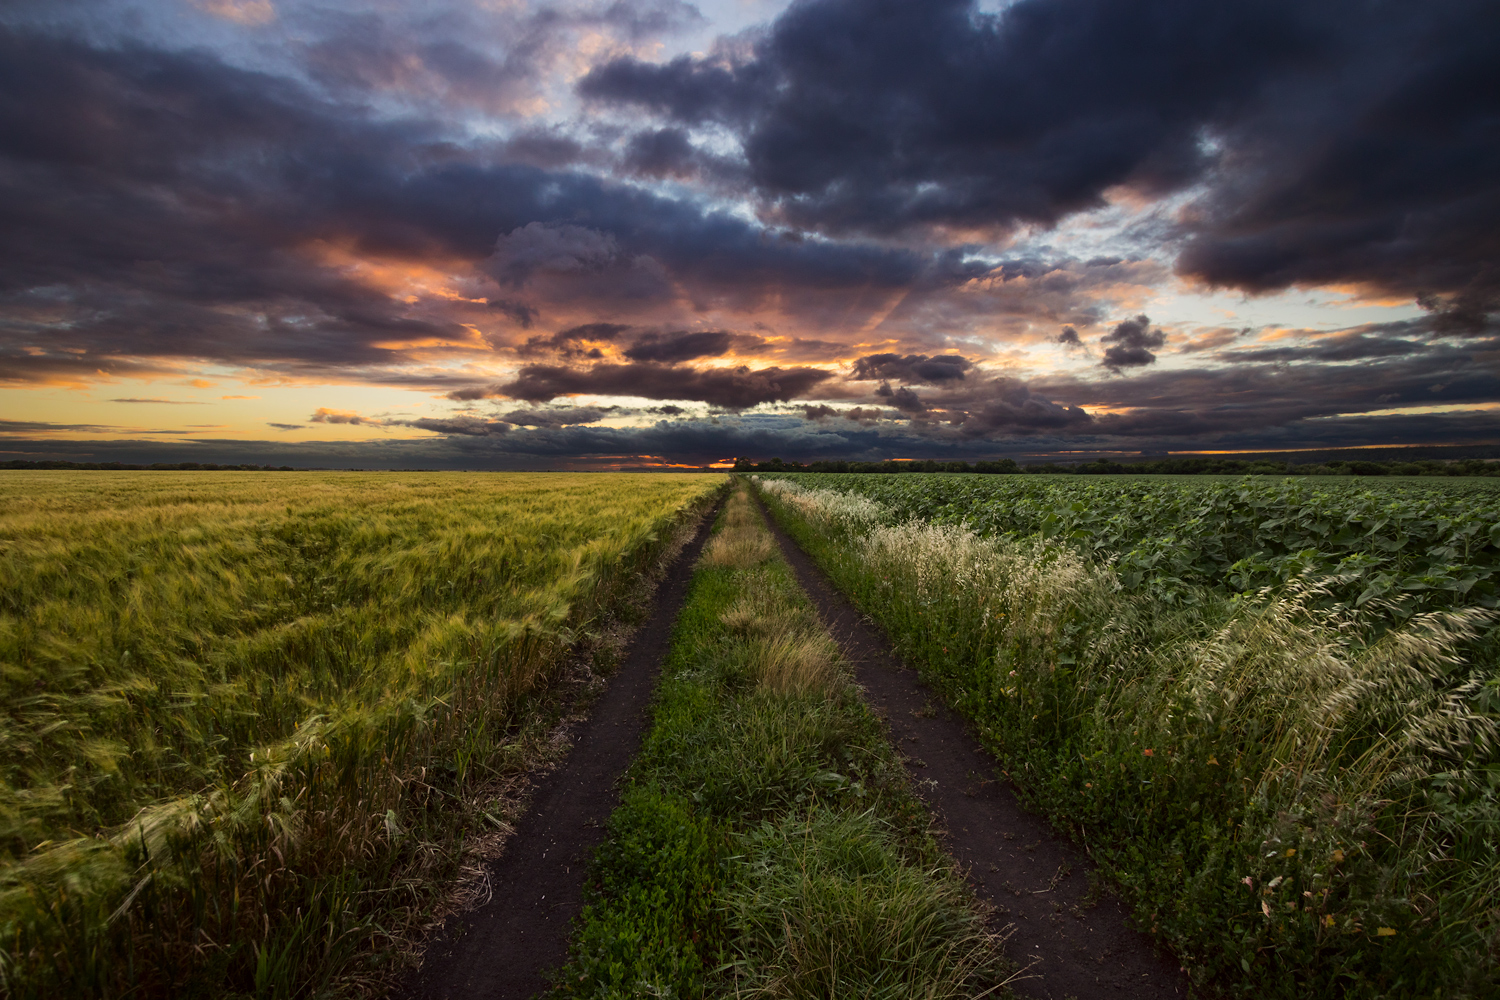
[{"x": 787, "y": 649}]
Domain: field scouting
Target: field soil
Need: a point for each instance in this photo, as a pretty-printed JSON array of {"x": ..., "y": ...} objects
[
  {"x": 503, "y": 949},
  {"x": 1073, "y": 942}
]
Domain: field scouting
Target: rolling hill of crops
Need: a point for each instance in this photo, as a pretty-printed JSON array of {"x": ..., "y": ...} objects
[{"x": 233, "y": 696}]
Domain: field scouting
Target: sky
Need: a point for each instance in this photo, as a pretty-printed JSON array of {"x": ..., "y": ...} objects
[{"x": 595, "y": 234}]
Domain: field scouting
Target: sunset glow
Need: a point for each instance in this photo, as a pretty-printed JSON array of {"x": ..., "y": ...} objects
[{"x": 578, "y": 235}]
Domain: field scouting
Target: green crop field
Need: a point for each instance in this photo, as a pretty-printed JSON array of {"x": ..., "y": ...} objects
[
  {"x": 1270, "y": 709},
  {"x": 233, "y": 703},
  {"x": 1414, "y": 543}
]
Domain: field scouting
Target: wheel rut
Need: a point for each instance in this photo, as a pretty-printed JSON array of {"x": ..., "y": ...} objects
[
  {"x": 503, "y": 949},
  {"x": 1071, "y": 944}
]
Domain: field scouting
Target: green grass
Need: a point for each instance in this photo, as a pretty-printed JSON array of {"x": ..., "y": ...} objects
[
  {"x": 245, "y": 714},
  {"x": 1298, "y": 803},
  {"x": 767, "y": 844}
]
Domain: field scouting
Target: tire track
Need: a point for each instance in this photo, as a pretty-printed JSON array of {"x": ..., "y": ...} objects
[
  {"x": 1073, "y": 943},
  {"x": 503, "y": 950}
]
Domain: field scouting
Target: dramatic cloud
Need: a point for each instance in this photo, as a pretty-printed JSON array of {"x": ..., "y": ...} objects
[
  {"x": 901, "y": 398},
  {"x": 1130, "y": 344},
  {"x": 864, "y": 228},
  {"x": 1352, "y": 346},
  {"x": 675, "y": 347},
  {"x": 939, "y": 369},
  {"x": 730, "y": 388},
  {"x": 461, "y": 425},
  {"x": 1014, "y": 407},
  {"x": 1339, "y": 145},
  {"x": 574, "y": 342},
  {"x": 558, "y": 417},
  {"x": 879, "y": 116}
]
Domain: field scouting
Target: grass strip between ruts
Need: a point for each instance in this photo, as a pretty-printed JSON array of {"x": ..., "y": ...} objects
[{"x": 767, "y": 843}]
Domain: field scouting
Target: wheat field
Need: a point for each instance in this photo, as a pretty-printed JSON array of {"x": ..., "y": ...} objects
[{"x": 236, "y": 702}]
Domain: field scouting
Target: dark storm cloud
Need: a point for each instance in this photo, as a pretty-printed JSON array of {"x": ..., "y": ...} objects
[
  {"x": 663, "y": 152},
  {"x": 1270, "y": 396},
  {"x": 285, "y": 427},
  {"x": 901, "y": 398},
  {"x": 591, "y": 331},
  {"x": 557, "y": 417},
  {"x": 687, "y": 89},
  {"x": 491, "y": 57},
  {"x": 260, "y": 169},
  {"x": 1355, "y": 346},
  {"x": 877, "y": 116},
  {"x": 983, "y": 406},
  {"x": 1339, "y": 141},
  {"x": 1130, "y": 344},
  {"x": 520, "y": 313},
  {"x": 562, "y": 249},
  {"x": 571, "y": 343},
  {"x": 364, "y": 52},
  {"x": 542, "y": 148},
  {"x": 674, "y": 347},
  {"x": 670, "y": 153},
  {"x": 1386, "y": 177},
  {"x": 465, "y": 426},
  {"x": 730, "y": 388},
  {"x": 938, "y": 369},
  {"x": 166, "y": 209},
  {"x": 1014, "y": 408}
]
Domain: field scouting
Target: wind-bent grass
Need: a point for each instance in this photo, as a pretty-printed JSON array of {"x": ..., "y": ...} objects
[
  {"x": 242, "y": 711},
  {"x": 1301, "y": 804},
  {"x": 767, "y": 844}
]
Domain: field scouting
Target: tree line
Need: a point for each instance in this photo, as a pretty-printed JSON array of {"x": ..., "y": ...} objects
[{"x": 1158, "y": 467}]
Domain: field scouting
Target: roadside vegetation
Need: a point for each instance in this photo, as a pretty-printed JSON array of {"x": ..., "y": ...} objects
[
  {"x": 1296, "y": 788},
  {"x": 767, "y": 844},
  {"x": 248, "y": 719}
]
